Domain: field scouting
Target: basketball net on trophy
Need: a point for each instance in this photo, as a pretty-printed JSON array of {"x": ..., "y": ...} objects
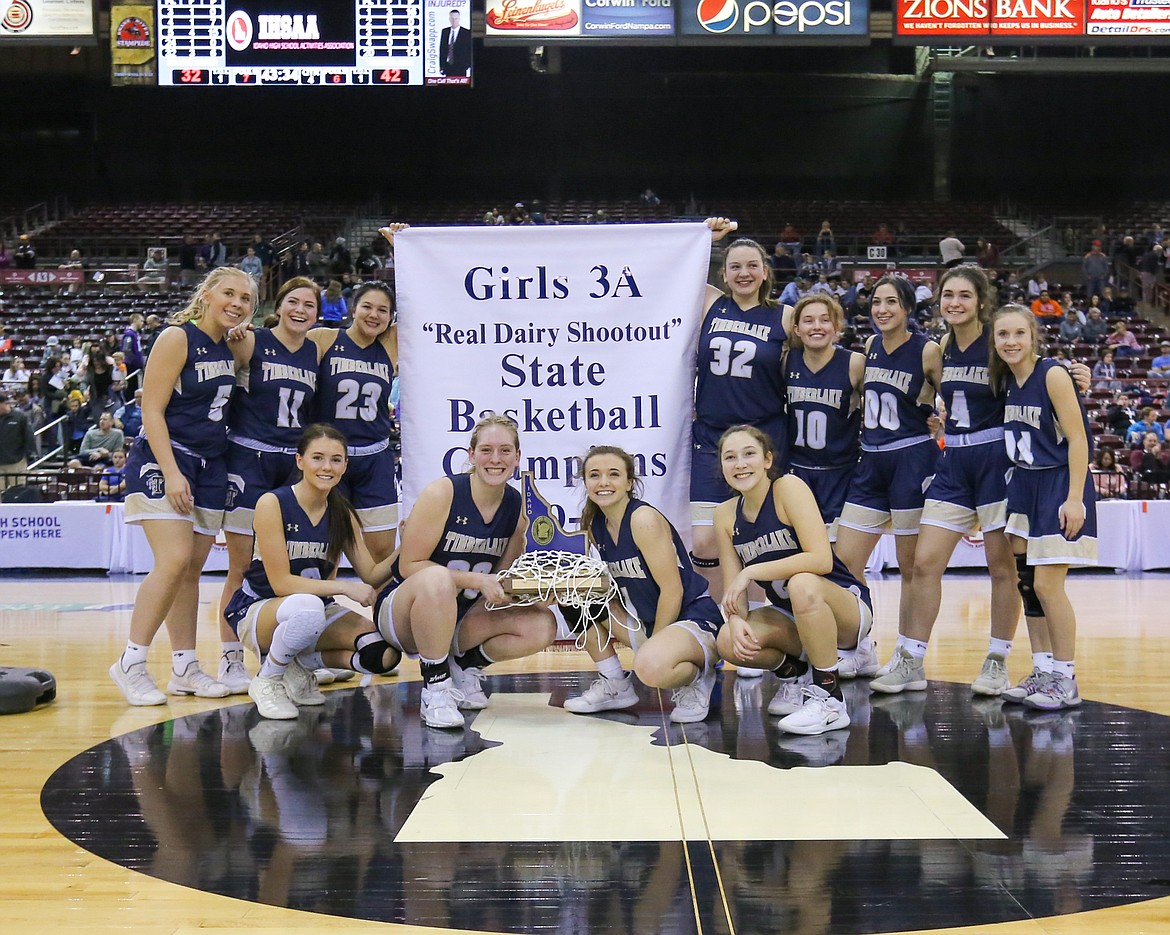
[{"x": 555, "y": 568}]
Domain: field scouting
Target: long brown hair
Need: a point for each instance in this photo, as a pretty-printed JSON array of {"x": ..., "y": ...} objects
[
  {"x": 761, "y": 438},
  {"x": 979, "y": 282},
  {"x": 339, "y": 512},
  {"x": 997, "y": 369},
  {"x": 590, "y": 510},
  {"x": 297, "y": 282}
]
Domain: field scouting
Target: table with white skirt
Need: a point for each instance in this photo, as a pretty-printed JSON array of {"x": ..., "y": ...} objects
[{"x": 1132, "y": 535}]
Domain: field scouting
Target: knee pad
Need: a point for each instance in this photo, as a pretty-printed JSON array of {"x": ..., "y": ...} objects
[
  {"x": 703, "y": 562},
  {"x": 370, "y": 655},
  {"x": 1027, "y": 587},
  {"x": 299, "y": 604}
]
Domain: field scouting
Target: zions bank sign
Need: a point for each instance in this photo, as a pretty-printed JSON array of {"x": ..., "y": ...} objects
[{"x": 799, "y": 20}]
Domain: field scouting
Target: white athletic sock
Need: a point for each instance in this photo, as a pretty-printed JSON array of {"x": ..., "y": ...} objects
[
  {"x": 1066, "y": 668},
  {"x": 236, "y": 647},
  {"x": 915, "y": 648},
  {"x": 1000, "y": 647},
  {"x": 1042, "y": 661},
  {"x": 311, "y": 660},
  {"x": 611, "y": 668},
  {"x": 181, "y": 660},
  {"x": 133, "y": 654}
]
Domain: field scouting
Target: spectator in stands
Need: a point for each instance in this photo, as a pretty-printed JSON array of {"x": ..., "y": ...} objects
[
  {"x": 1160, "y": 366},
  {"x": 154, "y": 270},
  {"x": 1108, "y": 476},
  {"x": 1122, "y": 304},
  {"x": 1037, "y": 283},
  {"x": 1120, "y": 414},
  {"x": 15, "y": 376},
  {"x": 1071, "y": 328},
  {"x": 1095, "y": 270},
  {"x": 1123, "y": 342},
  {"x": 1125, "y": 254},
  {"x": 112, "y": 486},
  {"x": 5, "y": 255},
  {"x": 75, "y": 262},
  {"x": 951, "y": 250},
  {"x": 1150, "y": 462},
  {"x": 214, "y": 252},
  {"x": 924, "y": 297},
  {"x": 1150, "y": 268},
  {"x": 1145, "y": 425},
  {"x": 17, "y": 444},
  {"x": 783, "y": 265},
  {"x": 822, "y": 285},
  {"x": 796, "y": 290},
  {"x": 1105, "y": 373},
  {"x": 790, "y": 237},
  {"x": 826, "y": 242},
  {"x": 1046, "y": 307},
  {"x": 648, "y": 197},
  {"x": 333, "y": 306},
  {"x": 149, "y": 333},
  {"x": 986, "y": 253},
  {"x": 5, "y": 341},
  {"x": 340, "y": 259},
  {"x": 1068, "y": 305},
  {"x": 883, "y": 236},
  {"x": 189, "y": 261},
  {"x": 118, "y": 386},
  {"x": 250, "y": 264},
  {"x": 53, "y": 386},
  {"x": 901, "y": 239},
  {"x": 264, "y": 249},
  {"x": 26, "y": 254},
  {"x": 131, "y": 347},
  {"x": 33, "y": 407},
  {"x": 99, "y": 443},
  {"x": 129, "y": 417},
  {"x": 97, "y": 374},
  {"x": 318, "y": 262},
  {"x": 1010, "y": 289},
  {"x": 368, "y": 265},
  {"x": 829, "y": 264}
]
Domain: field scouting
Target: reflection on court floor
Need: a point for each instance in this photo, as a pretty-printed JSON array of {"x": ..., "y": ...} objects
[{"x": 931, "y": 809}]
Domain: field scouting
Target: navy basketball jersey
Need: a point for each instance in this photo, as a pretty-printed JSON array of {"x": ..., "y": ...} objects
[
  {"x": 197, "y": 413},
  {"x": 822, "y": 431},
  {"x": 276, "y": 392},
  {"x": 966, "y": 388},
  {"x": 740, "y": 379},
  {"x": 893, "y": 383},
  {"x": 307, "y": 546},
  {"x": 629, "y": 570},
  {"x": 470, "y": 544},
  {"x": 353, "y": 392},
  {"x": 1032, "y": 433},
  {"x": 768, "y": 539}
]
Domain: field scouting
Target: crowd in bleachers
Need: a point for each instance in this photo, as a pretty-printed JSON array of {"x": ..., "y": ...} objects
[{"x": 63, "y": 351}]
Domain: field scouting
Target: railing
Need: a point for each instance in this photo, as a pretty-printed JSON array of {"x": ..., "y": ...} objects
[
  {"x": 33, "y": 218},
  {"x": 60, "y": 449},
  {"x": 1033, "y": 250},
  {"x": 51, "y": 486}
]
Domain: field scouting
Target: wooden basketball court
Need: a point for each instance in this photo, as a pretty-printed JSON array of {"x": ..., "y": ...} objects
[{"x": 931, "y": 813}]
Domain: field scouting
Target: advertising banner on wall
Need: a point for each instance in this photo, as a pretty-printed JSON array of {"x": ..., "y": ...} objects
[
  {"x": 132, "y": 44},
  {"x": 523, "y": 20},
  {"x": 775, "y": 21}
]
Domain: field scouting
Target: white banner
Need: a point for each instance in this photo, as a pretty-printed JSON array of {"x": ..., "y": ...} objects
[{"x": 583, "y": 335}]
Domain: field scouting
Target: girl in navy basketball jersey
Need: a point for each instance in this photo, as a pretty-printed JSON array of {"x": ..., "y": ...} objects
[
  {"x": 284, "y": 609},
  {"x": 773, "y": 534},
  {"x": 739, "y": 379},
  {"x": 272, "y": 405},
  {"x": 353, "y": 394},
  {"x": 898, "y": 453},
  {"x": 1051, "y": 505},
  {"x": 823, "y": 387},
  {"x": 176, "y": 480},
  {"x": 664, "y": 613},
  {"x": 461, "y": 531}
]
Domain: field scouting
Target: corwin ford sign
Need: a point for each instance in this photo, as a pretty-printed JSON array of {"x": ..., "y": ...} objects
[{"x": 774, "y": 19}]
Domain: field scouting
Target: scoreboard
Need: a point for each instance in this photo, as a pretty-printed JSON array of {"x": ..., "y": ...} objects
[{"x": 305, "y": 42}]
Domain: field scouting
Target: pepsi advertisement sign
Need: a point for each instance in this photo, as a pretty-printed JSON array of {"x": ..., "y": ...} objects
[{"x": 837, "y": 21}]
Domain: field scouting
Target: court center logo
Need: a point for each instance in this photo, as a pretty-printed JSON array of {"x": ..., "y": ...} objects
[
  {"x": 240, "y": 30},
  {"x": 717, "y": 16}
]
